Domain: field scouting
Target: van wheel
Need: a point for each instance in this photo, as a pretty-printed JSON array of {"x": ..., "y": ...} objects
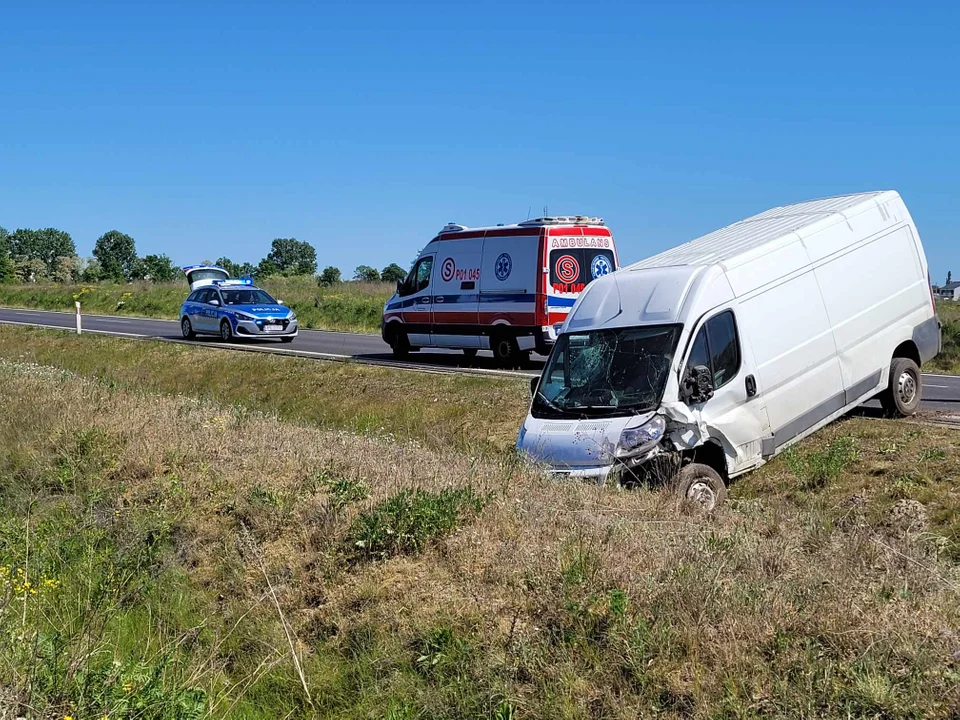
[
  {"x": 400, "y": 345},
  {"x": 701, "y": 484},
  {"x": 470, "y": 354},
  {"x": 903, "y": 394},
  {"x": 505, "y": 350},
  {"x": 186, "y": 329}
]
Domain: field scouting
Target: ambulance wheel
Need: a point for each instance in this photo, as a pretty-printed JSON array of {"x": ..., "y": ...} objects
[
  {"x": 505, "y": 349},
  {"x": 701, "y": 484},
  {"x": 902, "y": 396},
  {"x": 226, "y": 333},
  {"x": 470, "y": 354},
  {"x": 400, "y": 345},
  {"x": 187, "y": 329}
]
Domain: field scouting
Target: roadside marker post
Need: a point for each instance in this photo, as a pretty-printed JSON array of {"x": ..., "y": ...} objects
[{"x": 78, "y": 317}]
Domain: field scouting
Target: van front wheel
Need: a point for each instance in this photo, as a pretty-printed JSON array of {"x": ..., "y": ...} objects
[
  {"x": 903, "y": 394},
  {"x": 701, "y": 484}
]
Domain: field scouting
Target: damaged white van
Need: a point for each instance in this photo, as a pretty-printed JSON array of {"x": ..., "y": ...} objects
[{"x": 705, "y": 361}]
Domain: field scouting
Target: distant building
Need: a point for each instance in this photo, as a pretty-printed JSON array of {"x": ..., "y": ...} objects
[{"x": 950, "y": 291}]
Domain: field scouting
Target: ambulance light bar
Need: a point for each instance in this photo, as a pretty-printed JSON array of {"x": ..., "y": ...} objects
[
  {"x": 453, "y": 227},
  {"x": 565, "y": 220}
]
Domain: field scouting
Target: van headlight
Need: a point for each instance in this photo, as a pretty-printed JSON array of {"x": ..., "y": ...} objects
[{"x": 640, "y": 439}]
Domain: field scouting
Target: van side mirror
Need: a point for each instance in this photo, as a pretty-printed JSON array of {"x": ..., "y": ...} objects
[
  {"x": 534, "y": 381},
  {"x": 697, "y": 385}
]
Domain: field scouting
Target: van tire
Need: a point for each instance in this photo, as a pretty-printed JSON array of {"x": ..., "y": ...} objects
[
  {"x": 505, "y": 349},
  {"x": 903, "y": 394},
  {"x": 702, "y": 485}
]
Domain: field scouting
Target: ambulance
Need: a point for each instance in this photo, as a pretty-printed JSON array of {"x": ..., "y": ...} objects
[{"x": 505, "y": 288}]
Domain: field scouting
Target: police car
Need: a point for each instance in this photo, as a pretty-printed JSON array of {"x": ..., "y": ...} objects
[{"x": 236, "y": 309}]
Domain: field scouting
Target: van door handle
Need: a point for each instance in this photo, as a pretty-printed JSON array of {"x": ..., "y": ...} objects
[{"x": 751, "y": 383}]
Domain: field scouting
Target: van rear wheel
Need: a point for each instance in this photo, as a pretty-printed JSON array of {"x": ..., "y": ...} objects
[
  {"x": 701, "y": 484},
  {"x": 903, "y": 394}
]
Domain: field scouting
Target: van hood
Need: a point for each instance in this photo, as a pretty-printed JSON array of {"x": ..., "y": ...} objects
[{"x": 570, "y": 444}]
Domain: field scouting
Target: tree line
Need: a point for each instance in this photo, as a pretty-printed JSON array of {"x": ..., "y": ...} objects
[{"x": 49, "y": 254}]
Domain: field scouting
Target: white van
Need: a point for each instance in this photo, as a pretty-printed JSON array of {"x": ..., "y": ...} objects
[
  {"x": 707, "y": 360},
  {"x": 501, "y": 288}
]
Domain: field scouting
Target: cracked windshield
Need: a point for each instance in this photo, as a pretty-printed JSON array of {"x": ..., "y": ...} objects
[{"x": 607, "y": 370}]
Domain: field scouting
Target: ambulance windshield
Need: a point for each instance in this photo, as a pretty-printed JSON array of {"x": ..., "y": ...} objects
[{"x": 607, "y": 372}]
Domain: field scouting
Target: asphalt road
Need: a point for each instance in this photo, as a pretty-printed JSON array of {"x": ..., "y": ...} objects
[{"x": 941, "y": 393}]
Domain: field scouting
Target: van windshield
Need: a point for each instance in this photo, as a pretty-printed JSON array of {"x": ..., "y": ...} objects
[{"x": 607, "y": 372}]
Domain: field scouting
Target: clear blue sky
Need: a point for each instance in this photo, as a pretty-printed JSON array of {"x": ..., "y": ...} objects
[{"x": 208, "y": 129}]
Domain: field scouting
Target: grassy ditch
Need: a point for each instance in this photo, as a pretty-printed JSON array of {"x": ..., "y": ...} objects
[
  {"x": 170, "y": 556},
  {"x": 437, "y": 410},
  {"x": 349, "y": 307},
  {"x": 949, "y": 359}
]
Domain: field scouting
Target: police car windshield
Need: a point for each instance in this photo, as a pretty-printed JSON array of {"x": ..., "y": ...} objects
[
  {"x": 246, "y": 296},
  {"x": 607, "y": 372}
]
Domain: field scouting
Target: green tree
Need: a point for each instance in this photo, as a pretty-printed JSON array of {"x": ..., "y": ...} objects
[
  {"x": 236, "y": 269},
  {"x": 117, "y": 254},
  {"x": 159, "y": 268},
  {"x": 267, "y": 268},
  {"x": 365, "y": 273},
  {"x": 67, "y": 270},
  {"x": 7, "y": 271},
  {"x": 91, "y": 272},
  {"x": 47, "y": 245},
  {"x": 392, "y": 273},
  {"x": 293, "y": 257},
  {"x": 30, "y": 270},
  {"x": 329, "y": 276}
]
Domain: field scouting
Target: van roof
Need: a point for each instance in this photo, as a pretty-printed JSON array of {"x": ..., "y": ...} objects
[{"x": 777, "y": 224}]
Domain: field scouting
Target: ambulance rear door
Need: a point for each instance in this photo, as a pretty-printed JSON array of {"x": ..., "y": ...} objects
[
  {"x": 576, "y": 256},
  {"x": 456, "y": 294}
]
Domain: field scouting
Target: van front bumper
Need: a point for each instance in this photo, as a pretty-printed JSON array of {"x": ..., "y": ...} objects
[{"x": 598, "y": 474}]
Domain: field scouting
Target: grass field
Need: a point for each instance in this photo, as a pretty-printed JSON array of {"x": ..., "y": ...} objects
[
  {"x": 349, "y": 307},
  {"x": 949, "y": 359},
  {"x": 178, "y": 551}
]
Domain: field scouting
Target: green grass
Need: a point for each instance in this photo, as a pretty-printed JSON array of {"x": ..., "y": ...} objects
[
  {"x": 201, "y": 548},
  {"x": 949, "y": 359},
  {"x": 349, "y": 307},
  {"x": 437, "y": 410}
]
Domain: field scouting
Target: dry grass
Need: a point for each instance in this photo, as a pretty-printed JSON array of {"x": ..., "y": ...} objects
[
  {"x": 949, "y": 359},
  {"x": 559, "y": 600},
  {"x": 458, "y": 411}
]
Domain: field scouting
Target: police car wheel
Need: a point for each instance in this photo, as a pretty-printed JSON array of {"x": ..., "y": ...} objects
[
  {"x": 226, "y": 333},
  {"x": 187, "y": 329},
  {"x": 286, "y": 339}
]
